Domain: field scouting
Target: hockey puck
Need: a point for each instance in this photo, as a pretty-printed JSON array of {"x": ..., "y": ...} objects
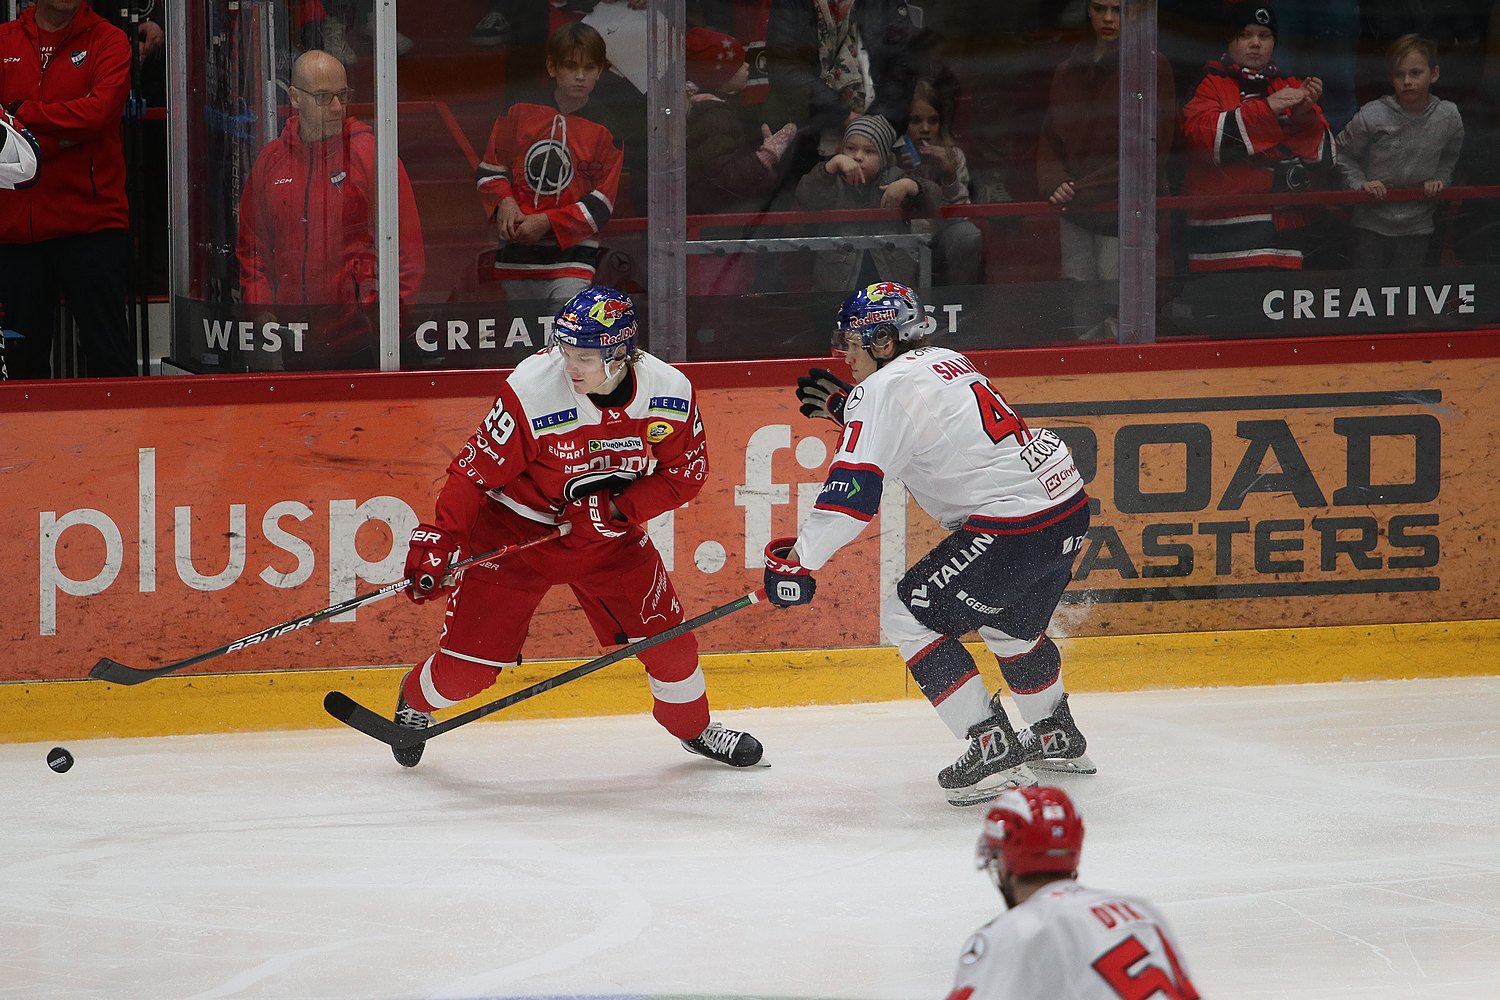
[{"x": 59, "y": 759}]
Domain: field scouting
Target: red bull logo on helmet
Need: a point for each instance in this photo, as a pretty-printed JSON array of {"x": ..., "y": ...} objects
[
  {"x": 887, "y": 290},
  {"x": 872, "y": 318},
  {"x": 607, "y": 312}
]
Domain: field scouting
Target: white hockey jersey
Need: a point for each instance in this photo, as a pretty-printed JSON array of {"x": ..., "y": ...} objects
[
  {"x": 18, "y": 154},
  {"x": 1070, "y": 942},
  {"x": 933, "y": 421}
]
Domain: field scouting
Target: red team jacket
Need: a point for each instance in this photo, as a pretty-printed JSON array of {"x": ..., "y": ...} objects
[
  {"x": 307, "y": 222},
  {"x": 562, "y": 165},
  {"x": 540, "y": 434},
  {"x": 73, "y": 107},
  {"x": 1233, "y": 141}
]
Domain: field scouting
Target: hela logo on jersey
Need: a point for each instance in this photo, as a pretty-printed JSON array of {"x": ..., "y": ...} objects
[
  {"x": 616, "y": 444},
  {"x": 569, "y": 416},
  {"x": 658, "y": 431}
]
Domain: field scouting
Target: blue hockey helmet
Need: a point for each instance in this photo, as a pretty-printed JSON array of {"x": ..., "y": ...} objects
[
  {"x": 886, "y": 309},
  {"x": 598, "y": 317}
]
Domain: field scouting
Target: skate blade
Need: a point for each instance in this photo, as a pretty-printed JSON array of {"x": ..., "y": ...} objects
[
  {"x": 991, "y": 786},
  {"x": 733, "y": 767},
  {"x": 1059, "y": 765}
]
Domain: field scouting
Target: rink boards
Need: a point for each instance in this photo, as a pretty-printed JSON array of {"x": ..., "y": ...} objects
[{"x": 1264, "y": 513}]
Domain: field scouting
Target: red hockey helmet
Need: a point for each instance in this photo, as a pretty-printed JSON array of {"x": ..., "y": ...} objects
[{"x": 1030, "y": 831}]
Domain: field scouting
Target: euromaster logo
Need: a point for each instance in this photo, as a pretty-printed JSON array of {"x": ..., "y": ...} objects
[{"x": 616, "y": 444}]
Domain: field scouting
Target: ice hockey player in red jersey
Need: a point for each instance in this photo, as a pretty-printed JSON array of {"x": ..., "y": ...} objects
[
  {"x": 602, "y": 436},
  {"x": 1013, "y": 501},
  {"x": 1058, "y": 938}
]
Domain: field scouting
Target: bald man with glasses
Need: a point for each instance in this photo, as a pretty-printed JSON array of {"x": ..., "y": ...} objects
[{"x": 307, "y": 246}]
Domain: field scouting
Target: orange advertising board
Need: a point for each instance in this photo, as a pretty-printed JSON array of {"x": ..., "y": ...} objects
[{"x": 172, "y": 516}]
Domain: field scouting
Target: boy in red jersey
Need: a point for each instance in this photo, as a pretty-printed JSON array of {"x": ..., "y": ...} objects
[{"x": 550, "y": 177}]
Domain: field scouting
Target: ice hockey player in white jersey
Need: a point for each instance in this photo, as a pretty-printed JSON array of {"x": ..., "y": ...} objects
[
  {"x": 1014, "y": 503},
  {"x": 1057, "y": 938}
]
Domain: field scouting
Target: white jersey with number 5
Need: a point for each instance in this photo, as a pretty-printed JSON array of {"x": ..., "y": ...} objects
[
  {"x": 934, "y": 422},
  {"x": 1070, "y": 942}
]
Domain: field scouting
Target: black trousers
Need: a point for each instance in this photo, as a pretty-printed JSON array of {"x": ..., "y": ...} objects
[{"x": 89, "y": 272}]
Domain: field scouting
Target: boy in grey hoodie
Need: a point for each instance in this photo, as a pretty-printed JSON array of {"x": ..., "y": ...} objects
[{"x": 1406, "y": 139}]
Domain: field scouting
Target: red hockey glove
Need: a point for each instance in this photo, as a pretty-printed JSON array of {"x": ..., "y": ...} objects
[
  {"x": 788, "y": 582},
  {"x": 591, "y": 518},
  {"x": 823, "y": 394},
  {"x": 431, "y": 552}
]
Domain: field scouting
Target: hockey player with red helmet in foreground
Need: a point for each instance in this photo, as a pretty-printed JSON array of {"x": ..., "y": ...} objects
[
  {"x": 1013, "y": 501},
  {"x": 1058, "y": 938},
  {"x": 594, "y": 433}
]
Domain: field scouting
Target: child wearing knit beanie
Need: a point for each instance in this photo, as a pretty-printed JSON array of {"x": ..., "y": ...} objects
[
  {"x": 864, "y": 174},
  {"x": 866, "y": 154}
]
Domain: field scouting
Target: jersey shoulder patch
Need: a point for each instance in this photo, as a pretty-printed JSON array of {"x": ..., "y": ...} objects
[
  {"x": 662, "y": 392},
  {"x": 548, "y": 403}
]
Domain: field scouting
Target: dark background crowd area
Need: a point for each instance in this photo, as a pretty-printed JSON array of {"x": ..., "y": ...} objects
[{"x": 997, "y": 57}]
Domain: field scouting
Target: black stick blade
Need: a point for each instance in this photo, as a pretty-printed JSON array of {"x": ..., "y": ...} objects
[
  {"x": 356, "y": 716},
  {"x": 118, "y": 673}
]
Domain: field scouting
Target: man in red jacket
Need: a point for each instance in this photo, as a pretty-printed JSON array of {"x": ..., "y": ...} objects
[
  {"x": 65, "y": 72},
  {"x": 307, "y": 225}
]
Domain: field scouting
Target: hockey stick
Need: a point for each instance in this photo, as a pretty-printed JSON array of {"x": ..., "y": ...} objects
[
  {"x": 118, "y": 673},
  {"x": 351, "y": 713}
]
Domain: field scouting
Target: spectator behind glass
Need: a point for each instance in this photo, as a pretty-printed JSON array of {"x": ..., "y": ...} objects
[
  {"x": 65, "y": 72},
  {"x": 1078, "y": 169},
  {"x": 1405, "y": 139},
  {"x": 864, "y": 174},
  {"x": 1247, "y": 129},
  {"x": 550, "y": 178},
  {"x": 308, "y": 221},
  {"x": 733, "y": 159},
  {"x": 831, "y": 61},
  {"x": 957, "y": 247}
]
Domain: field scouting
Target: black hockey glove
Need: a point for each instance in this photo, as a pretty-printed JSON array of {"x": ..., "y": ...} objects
[
  {"x": 823, "y": 394},
  {"x": 608, "y": 481},
  {"x": 788, "y": 582}
]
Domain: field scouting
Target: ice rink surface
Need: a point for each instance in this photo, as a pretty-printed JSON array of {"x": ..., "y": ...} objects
[{"x": 1309, "y": 842}]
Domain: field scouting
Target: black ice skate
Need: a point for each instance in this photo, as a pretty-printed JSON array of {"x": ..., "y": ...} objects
[
  {"x": 1055, "y": 744},
  {"x": 727, "y": 746},
  {"x": 410, "y": 718},
  {"x": 994, "y": 762}
]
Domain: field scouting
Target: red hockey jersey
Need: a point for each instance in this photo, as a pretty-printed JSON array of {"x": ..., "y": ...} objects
[
  {"x": 1234, "y": 142},
  {"x": 541, "y": 433},
  {"x": 556, "y": 164}
]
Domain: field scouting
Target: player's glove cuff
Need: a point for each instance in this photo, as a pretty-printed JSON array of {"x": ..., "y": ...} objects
[
  {"x": 431, "y": 551},
  {"x": 592, "y": 517},
  {"x": 787, "y": 581}
]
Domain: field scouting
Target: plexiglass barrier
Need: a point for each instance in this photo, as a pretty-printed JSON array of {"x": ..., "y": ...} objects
[{"x": 1302, "y": 169}]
